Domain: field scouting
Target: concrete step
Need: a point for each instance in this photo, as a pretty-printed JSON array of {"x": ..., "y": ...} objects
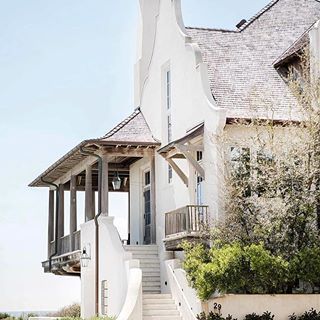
[
  {"x": 147, "y": 248},
  {"x": 151, "y": 290},
  {"x": 158, "y": 301},
  {"x": 157, "y": 296},
  {"x": 150, "y": 283},
  {"x": 146, "y": 257},
  {"x": 150, "y": 271},
  {"x": 160, "y": 306},
  {"x": 161, "y": 312},
  {"x": 161, "y": 318},
  {"x": 154, "y": 277}
]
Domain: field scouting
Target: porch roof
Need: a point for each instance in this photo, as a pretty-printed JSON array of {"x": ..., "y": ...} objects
[
  {"x": 193, "y": 133},
  {"x": 133, "y": 133}
]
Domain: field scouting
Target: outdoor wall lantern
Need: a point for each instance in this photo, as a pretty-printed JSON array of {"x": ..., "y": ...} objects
[
  {"x": 116, "y": 182},
  {"x": 85, "y": 256}
]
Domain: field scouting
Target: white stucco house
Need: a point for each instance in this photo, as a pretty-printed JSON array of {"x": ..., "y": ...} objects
[{"x": 190, "y": 86}]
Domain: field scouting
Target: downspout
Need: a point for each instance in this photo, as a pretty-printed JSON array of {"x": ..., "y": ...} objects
[
  {"x": 82, "y": 151},
  {"x": 56, "y": 222}
]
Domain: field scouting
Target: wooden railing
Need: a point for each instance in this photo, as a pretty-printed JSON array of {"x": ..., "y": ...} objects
[
  {"x": 65, "y": 244},
  {"x": 186, "y": 220}
]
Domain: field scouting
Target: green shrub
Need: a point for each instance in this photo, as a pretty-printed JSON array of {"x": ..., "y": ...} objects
[
  {"x": 4, "y": 315},
  {"x": 306, "y": 266},
  {"x": 71, "y": 311},
  {"x": 308, "y": 315},
  {"x": 213, "y": 316},
  {"x": 265, "y": 316},
  {"x": 233, "y": 268}
]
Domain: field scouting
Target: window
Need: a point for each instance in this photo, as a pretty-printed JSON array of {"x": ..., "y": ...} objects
[
  {"x": 199, "y": 156},
  {"x": 169, "y": 174},
  {"x": 168, "y": 104},
  {"x": 168, "y": 89},
  {"x": 169, "y": 126},
  {"x": 147, "y": 179}
]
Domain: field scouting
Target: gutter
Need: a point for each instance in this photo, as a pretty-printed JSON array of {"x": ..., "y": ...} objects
[
  {"x": 82, "y": 151},
  {"x": 56, "y": 222}
]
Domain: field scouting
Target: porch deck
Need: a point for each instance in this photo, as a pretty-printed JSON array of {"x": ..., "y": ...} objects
[{"x": 185, "y": 223}]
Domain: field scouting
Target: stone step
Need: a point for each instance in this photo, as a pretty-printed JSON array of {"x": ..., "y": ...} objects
[
  {"x": 145, "y": 256},
  {"x": 151, "y": 290},
  {"x": 150, "y": 283},
  {"x": 161, "y": 318},
  {"x": 161, "y": 312},
  {"x": 160, "y": 306},
  {"x": 142, "y": 248},
  {"x": 149, "y": 264},
  {"x": 157, "y": 296},
  {"x": 150, "y": 271},
  {"x": 158, "y": 301},
  {"x": 154, "y": 277}
]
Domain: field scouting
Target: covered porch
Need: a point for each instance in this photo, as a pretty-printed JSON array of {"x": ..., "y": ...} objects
[
  {"x": 187, "y": 222},
  {"x": 78, "y": 173}
]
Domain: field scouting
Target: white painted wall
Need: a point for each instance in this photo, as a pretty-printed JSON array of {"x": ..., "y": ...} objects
[
  {"x": 162, "y": 31},
  {"x": 88, "y": 273},
  {"x": 280, "y": 305},
  {"x": 112, "y": 267}
]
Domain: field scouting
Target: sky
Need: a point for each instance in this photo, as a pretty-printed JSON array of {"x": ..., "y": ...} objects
[{"x": 66, "y": 74}]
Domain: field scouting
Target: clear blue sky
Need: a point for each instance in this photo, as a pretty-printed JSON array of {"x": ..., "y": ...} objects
[{"x": 66, "y": 74}]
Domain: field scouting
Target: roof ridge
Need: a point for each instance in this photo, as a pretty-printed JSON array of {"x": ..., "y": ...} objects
[
  {"x": 258, "y": 14},
  {"x": 305, "y": 33},
  {"x": 212, "y": 29},
  {"x": 120, "y": 125}
]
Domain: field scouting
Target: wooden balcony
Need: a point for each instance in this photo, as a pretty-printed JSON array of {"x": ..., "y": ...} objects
[
  {"x": 184, "y": 223},
  {"x": 67, "y": 259}
]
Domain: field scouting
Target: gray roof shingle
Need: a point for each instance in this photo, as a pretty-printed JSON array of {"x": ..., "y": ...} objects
[
  {"x": 241, "y": 63},
  {"x": 132, "y": 129}
]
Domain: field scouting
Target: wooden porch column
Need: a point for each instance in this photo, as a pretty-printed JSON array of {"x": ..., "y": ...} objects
[
  {"x": 73, "y": 210},
  {"x": 153, "y": 200},
  {"x": 105, "y": 187},
  {"x": 88, "y": 195},
  {"x": 61, "y": 216},
  {"x": 50, "y": 221}
]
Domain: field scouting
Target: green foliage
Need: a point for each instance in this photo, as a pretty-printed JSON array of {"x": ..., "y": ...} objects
[
  {"x": 71, "y": 311},
  {"x": 265, "y": 316},
  {"x": 213, "y": 316},
  {"x": 233, "y": 268},
  {"x": 4, "y": 315},
  {"x": 308, "y": 315},
  {"x": 306, "y": 266}
]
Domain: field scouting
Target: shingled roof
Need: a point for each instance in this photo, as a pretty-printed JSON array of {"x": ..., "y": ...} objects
[
  {"x": 241, "y": 62},
  {"x": 132, "y": 131}
]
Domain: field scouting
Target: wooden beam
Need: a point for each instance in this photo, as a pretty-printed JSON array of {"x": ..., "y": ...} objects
[
  {"x": 105, "y": 186},
  {"x": 179, "y": 172},
  {"x": 129, "y": 152},
  {"x": 61, "y": 217},
  {"x": 88, "y": 195},
  {"x": 183, "y": 149},
  {"x": 153, "y": 200},
  {"x": 73, "y": 210},
  {"x": 50, "y": 221}
]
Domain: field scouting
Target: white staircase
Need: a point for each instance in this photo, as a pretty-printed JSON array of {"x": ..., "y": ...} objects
[{"x": 156, "y": 306}]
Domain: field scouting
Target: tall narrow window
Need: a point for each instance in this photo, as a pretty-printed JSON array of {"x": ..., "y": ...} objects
[
  {"x": 169, "y": 174},
  {"x": 168, "y": 105}
]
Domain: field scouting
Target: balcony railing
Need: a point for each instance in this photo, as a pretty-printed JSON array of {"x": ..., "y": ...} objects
[
  {"x": 65, "y": 244},
  {"x": 188, "y": 219}
]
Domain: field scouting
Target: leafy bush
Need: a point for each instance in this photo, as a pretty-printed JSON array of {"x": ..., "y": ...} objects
[
  {"x": 213, "y": 316},
  {"x": 265, "y": 316},
  {"x": 4, "y": 315},
  {"x": 306, "y": 266},
  {"x": 234, "y": 269},
  {"x": 71, "y": 311},
  {"x": 308, "y": 315}
]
